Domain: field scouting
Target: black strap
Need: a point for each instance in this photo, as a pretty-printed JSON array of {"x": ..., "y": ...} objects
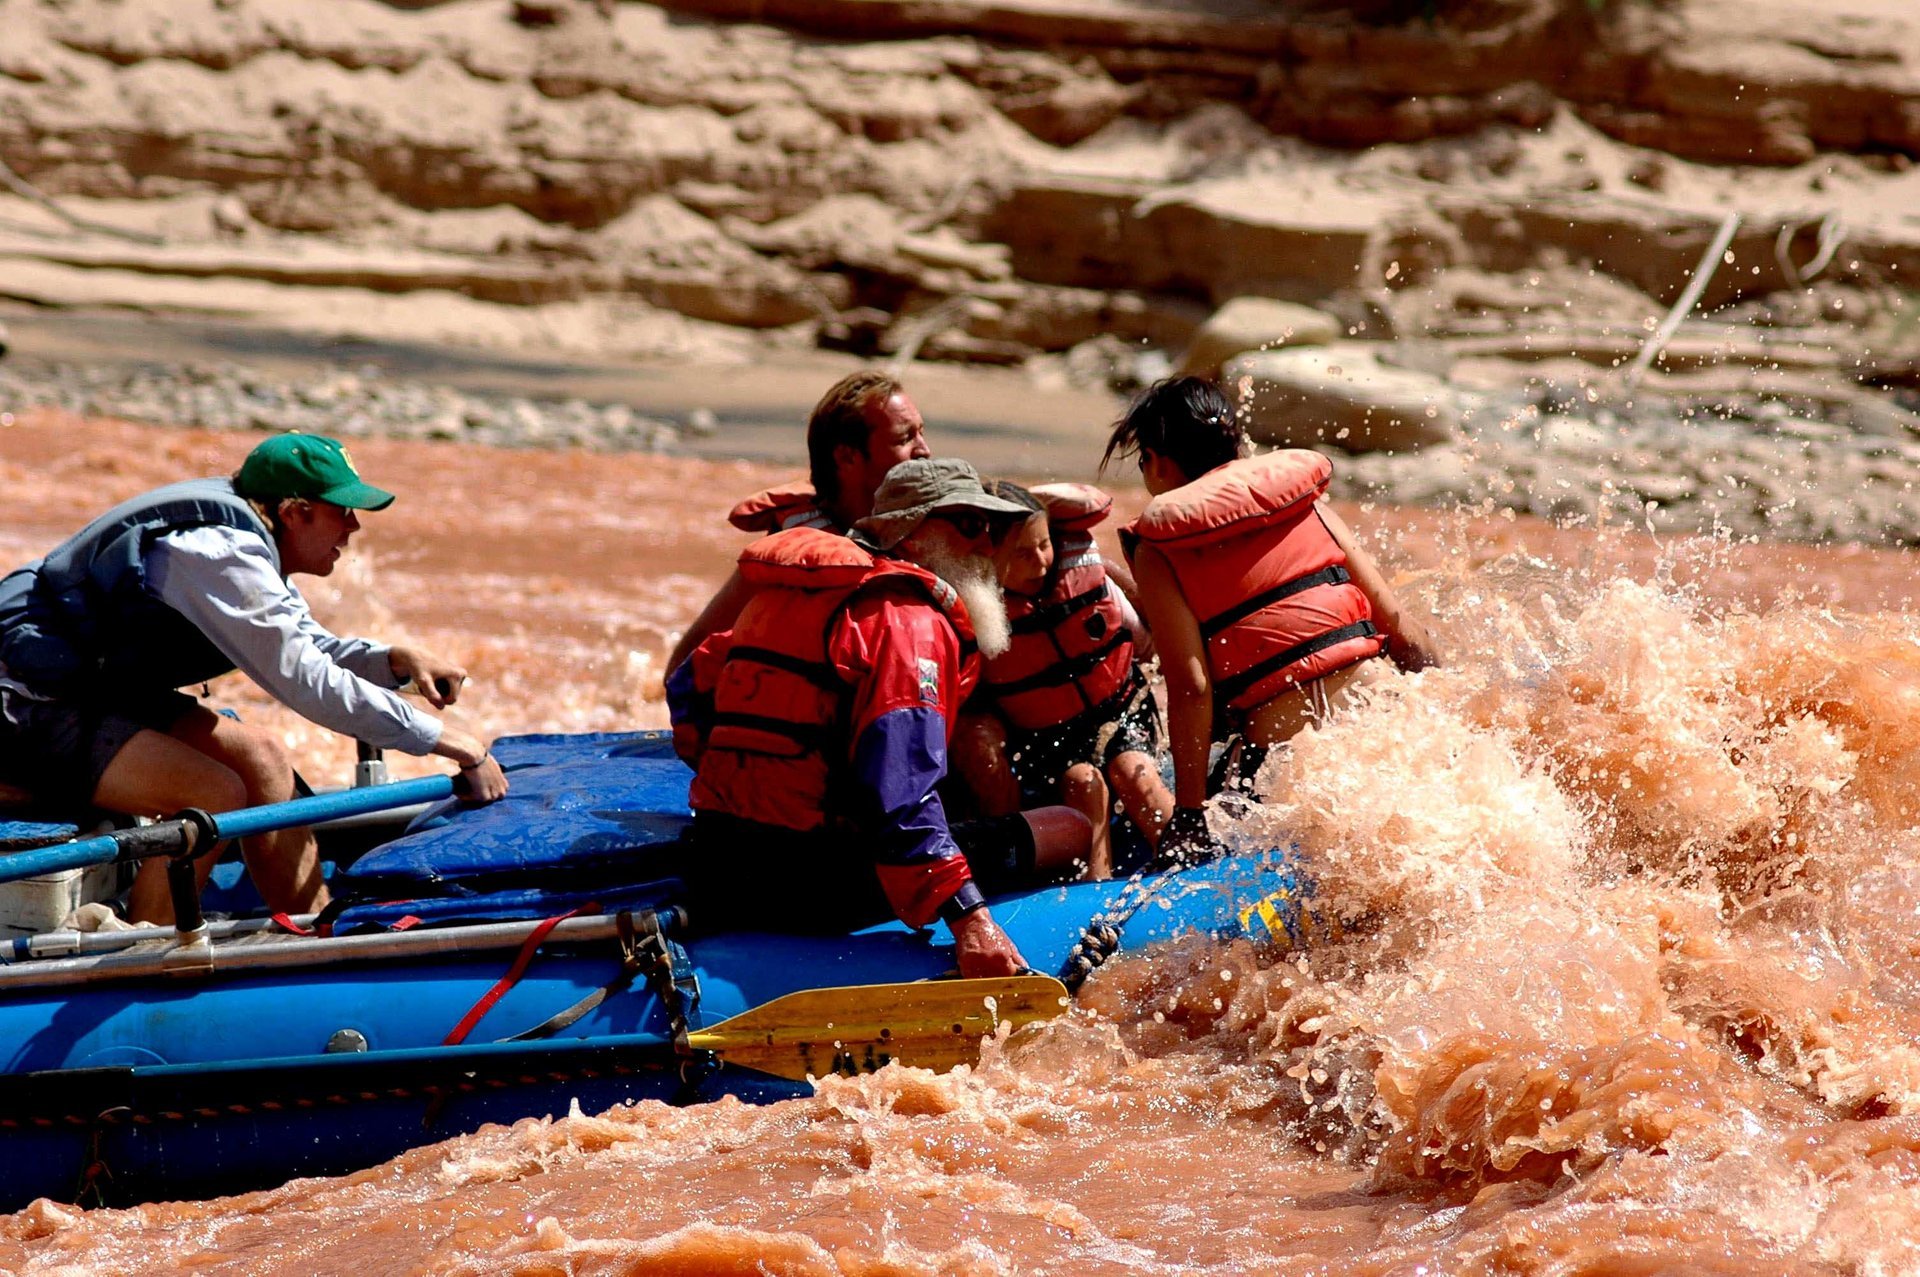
[
  {"x": 1070, "y": 670},
  {"x": 1228, "y": 688},
  {"x": 631, "y": 963},
  {"x": 811, "y": 736},
  {"x": 646, "y": 948},
  {"x": 1049, "y": 615},
  {"x": 819, "y": 673},
  {"x": 1335, "y": 575}
]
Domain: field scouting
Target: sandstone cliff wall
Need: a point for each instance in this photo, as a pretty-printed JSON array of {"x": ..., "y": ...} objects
[{"x": 1048, "y": 170}]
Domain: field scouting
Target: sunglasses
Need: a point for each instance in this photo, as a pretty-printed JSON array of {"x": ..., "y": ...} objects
[{"x": 968, "y": 523}]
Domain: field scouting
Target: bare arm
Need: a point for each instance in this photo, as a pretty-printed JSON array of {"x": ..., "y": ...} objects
[
  {"x": 1183, "y": 663},
  {"x": 1121, "y": 575},
  {"x": 1126, "y": 592},
  {"x": 1407, "y": 640},
  {"x": 481, "y": 778},
  {"x": 721, "y": 611}
]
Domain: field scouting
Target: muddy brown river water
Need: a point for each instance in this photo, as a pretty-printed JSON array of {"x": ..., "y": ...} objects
[{"x": 1626, "y": 978}]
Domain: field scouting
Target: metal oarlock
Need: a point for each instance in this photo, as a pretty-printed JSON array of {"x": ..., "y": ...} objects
[
  {"x": 370, "y": 766},
  {"x": 183, "y": 884}
]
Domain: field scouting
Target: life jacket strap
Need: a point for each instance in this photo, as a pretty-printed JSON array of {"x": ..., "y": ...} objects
[
  {"x": 814, "y": 737},
  {"x": 1047, "y": 616},
  {"x": 1228, "y": 689},
  {"x": 1334, "y": 575},
  {"x": 1070, "y": 670},
  {"x": 819, "y": 673}
]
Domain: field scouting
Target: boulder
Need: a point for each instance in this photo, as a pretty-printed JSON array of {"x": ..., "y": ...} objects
[
  {"x": 1218, "y": 238},
  {"x": 1343, "y": 396},
  {"x": 1255, "y": 323}
]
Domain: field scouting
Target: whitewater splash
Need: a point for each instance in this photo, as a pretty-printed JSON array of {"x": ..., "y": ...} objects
[
  {"x": 1618, "y": 974},
  {"x": 1631, "y": 893}
]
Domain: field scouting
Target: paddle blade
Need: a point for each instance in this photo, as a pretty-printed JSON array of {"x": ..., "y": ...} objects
[{"x": 932, "y": 1024}]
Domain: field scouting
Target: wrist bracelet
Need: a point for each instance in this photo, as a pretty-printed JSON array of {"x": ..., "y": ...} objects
[
  {"x": 961, "y": 903},
  {"x": 467, "y": 767}
]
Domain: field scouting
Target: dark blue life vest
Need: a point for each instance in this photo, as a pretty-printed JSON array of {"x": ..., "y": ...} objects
[{"x": 82, "y": 622}]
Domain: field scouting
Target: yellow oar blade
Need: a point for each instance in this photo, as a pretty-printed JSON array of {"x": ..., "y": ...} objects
[{"x": 932, "y": 1024}]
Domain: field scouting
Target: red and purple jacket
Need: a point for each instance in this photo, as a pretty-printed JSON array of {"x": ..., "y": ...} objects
[{"x": 830, "y": 703}]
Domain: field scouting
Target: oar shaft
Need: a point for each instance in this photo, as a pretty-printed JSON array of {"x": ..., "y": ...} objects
[
  {"x": 83, "y": 854},
  {"x": 249, "y": 821},
  {"x": 151, "y": 840},
  {"x": 422, "y": 945}
]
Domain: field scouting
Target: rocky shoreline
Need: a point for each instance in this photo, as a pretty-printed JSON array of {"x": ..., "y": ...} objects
[
  {"x": 1477, "y": 213},
  {"x": 1760, "y": 472},
  {"x": 350, "y": 402},
  {"x": 1557, "y": 446}
]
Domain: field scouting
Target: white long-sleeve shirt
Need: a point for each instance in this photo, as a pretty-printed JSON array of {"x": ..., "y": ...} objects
[{"x": 224, "y": 581}]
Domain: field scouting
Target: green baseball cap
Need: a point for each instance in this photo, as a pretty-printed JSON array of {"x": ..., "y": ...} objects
[{"x": 310, "y": 466}]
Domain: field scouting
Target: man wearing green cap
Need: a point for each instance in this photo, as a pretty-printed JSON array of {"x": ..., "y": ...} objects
[{"x": 178, "y": 586}]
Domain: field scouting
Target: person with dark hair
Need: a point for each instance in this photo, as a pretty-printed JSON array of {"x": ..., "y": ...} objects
[
  {"x": 1262, "y": 603},
  {"x": 1065, "y": 714},
  {"x": 818, "y": 728},
  {"x": 862, "y": 427},
  {"x": 1186, "y": 420},
  {"x": 183, "y": 584}
]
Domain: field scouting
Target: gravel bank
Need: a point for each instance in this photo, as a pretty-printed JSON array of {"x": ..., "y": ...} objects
[
  {"x": 337, "y": 400},
  {"x": 1756, "y": 469}
]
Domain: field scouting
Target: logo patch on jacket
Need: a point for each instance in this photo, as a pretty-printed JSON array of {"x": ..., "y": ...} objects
[{"x": 929, "y": 681}]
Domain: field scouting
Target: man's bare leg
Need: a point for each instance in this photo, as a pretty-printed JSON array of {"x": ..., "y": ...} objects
[
  {"x": 156, "y": 775},
  {"x": 979, "y": 754},
  {"x": 1143, "y": 795},
  {"x": 284, "y": 865}
]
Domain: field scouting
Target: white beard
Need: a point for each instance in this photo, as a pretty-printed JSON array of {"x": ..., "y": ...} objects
[{"x": 974, "y": 579}]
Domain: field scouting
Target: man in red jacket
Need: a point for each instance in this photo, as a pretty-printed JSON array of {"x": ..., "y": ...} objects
[{"x": 819, "y": 726}]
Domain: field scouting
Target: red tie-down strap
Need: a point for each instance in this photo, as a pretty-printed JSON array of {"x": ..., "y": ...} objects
[
  {"x": 322, "y": 927},
  {"x": 512, "y": 977}
]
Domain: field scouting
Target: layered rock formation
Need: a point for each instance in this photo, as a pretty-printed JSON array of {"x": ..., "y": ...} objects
[{"x": 999, "y": 181}]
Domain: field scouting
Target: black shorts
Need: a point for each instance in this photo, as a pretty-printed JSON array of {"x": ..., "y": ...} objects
[
  {"x": 741, "y": 873},
  {"x": 1129, "y": 723},
  {"x": 57, "y": 750}
]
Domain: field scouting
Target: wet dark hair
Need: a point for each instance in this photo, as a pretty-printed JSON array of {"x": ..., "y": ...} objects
[
  {"x": 1008, "y": 490},
  {"x": 1185, "y": 419},
  {"x": 844, "y": 416}
]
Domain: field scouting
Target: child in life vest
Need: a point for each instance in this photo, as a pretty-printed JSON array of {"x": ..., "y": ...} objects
[
  {"x": 1065, "y": 715},
  {"x": 1263, "y": 605}
]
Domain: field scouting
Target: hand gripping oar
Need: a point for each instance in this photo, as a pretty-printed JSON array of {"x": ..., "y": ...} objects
[{"x": 930, "y": 1024}]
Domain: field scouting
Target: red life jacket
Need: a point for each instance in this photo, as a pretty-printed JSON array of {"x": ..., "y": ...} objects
[
  {"x": 1071, "y": 650},
  {"x": 783, "y": 506},
  {"x": 779, "y": 731},
  {"x": 1263, "y": 575}
]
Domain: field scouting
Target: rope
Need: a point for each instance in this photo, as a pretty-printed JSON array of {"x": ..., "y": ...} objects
[{"x": 1832, "y": 234}]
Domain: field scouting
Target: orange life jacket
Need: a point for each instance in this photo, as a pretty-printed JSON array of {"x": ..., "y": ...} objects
[
  {"x": 1071, "y": 650},
  {"x": 1263, "y": 575},
  {"x": 779, "y": 730},
  {"x": 783, "y": 506}
]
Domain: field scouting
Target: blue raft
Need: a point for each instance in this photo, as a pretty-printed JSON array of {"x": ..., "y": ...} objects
[{"x": 168, "y": 1071}]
